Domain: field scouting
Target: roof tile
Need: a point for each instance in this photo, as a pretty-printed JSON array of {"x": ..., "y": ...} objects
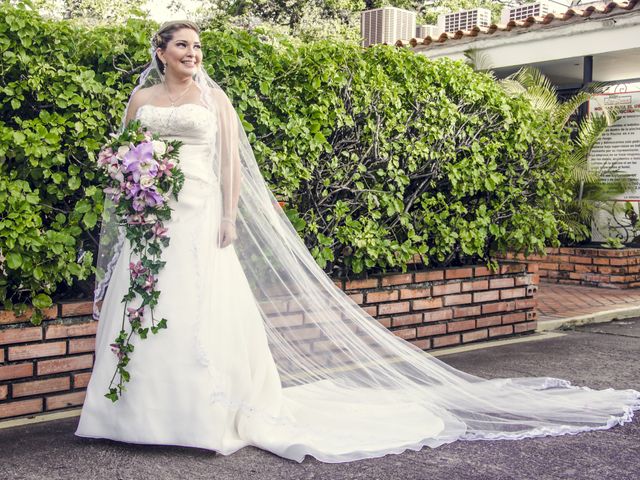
[{"x": 549, "y": 18}]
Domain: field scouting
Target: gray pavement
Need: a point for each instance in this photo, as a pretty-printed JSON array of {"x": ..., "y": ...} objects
[{"x": 599, "y": 356}]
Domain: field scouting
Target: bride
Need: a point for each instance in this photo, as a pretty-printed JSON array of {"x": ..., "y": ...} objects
[{"x": 261, "y": 347}]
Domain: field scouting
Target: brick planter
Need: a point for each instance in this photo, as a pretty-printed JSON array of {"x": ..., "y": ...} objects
[
  {"x": 47, "y": 368},
  {"x": 596, "y": 267},
  {"x": 440, "y": 308}
]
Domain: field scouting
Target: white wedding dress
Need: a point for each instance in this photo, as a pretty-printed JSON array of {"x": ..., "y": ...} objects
[{"x": 209, "y": 380}]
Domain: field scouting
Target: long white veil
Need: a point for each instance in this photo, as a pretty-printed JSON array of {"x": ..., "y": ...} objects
[{"x": 319, "y": 336}]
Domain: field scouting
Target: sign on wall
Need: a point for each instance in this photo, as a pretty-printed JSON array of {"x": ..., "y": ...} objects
[
  {"x": 619, "y": 147},
  {"x": 617, "y": 152}
]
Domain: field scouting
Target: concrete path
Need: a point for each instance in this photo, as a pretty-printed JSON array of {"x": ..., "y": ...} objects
[{"x": 599, "y": 356}]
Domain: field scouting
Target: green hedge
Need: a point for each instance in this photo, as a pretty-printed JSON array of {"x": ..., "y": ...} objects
[
  {"x": 379, "y": 153},
  {"x": 382, "y": 154},
  {"x": 60, "y": 92}
]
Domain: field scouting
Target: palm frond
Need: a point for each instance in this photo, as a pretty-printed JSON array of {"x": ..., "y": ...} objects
[
  {"x": 580, "y": 210},
  {"x": 534, "y": 86},
  {"x": 512, "y": 87},
  {"x": 596, "y": 88},
  {"x": 592, "y": 127},
  {"x": 574, "y": 229},
  {"x": 593, "y": 187},
  {"x": 542, "y": 99},
  {"x": 579, "y": 170},
  {"x": 478, "y": 60},
  {"x": 606, "y": 190},
  {"x": 568, "y": 107},
  {"x": 530, "y": 77}
]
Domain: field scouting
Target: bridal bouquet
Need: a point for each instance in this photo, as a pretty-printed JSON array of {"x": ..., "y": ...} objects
[{"x": 140, "y": 175}]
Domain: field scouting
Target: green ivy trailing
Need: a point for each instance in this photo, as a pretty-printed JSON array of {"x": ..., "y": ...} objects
[{"x": 378, "y": 153}]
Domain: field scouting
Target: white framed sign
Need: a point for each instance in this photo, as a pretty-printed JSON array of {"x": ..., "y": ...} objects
[{"x": 618, "y": 149}]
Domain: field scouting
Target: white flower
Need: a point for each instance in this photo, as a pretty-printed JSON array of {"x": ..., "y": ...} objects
[
  {"x": 148, "y": 167},
  {"x": 146, "y": 181},
  {"x": 159, "y": 148},
  {"x": 113, "y": 170},
  {"x": 122, "y": 151}
]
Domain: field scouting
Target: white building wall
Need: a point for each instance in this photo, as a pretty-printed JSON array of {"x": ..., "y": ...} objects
[
  {"x": 464, "y": 20},
  {"x": 423, "y": 31},
  {"x": 536, "y": 9},
  {"x": 387, "y": 25}
]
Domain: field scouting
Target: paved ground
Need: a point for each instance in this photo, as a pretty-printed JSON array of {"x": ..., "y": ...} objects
[
  {"x": 557, "y": 301},
  {"x": 600, "y": 356}
]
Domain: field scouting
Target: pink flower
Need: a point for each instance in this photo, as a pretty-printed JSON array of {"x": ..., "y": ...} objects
[
  {"x": 165, "y": 167},
  {"x": 147, "y": 198},
  {"x": 115, "y": 348},
  {"x": 135, "y": 219},
  {"x": 122, "y": 151},
  {"x": 115, "y": 172},
  {"x": 105, "y": 156},
  {"x": 159, "y": 231},
  {"x": 113, "y": 194},
  {"x": 131, "y": 189},
  {"x": 135, "y": 314},
  {"x": 149, "y": 283},
  {"x": 137, "y": 269},
  {"x": 138, "y": 204}
]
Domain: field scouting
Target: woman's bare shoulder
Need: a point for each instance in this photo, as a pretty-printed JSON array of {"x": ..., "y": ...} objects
[
  {"x": 143, "y": 95},
  {"x": 140, "y": 97}
]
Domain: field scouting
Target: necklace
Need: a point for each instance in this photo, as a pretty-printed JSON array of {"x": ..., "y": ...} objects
[{"x": 173, "y": 101}]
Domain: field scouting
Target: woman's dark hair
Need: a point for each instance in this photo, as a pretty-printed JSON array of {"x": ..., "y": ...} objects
[{"x": 164, "y": 35}]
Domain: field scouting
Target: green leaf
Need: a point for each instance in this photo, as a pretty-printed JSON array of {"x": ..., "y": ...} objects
[
  {"x": 36, "y": 317},
  {"x": 74, "y": 183},
  {"x": 37, "y": 273},
  {"x": 112, "y": 395},
  {"x": 90, "y": 219},
  {"x": 83, "y": 206},
  {"x": 14, "y": 260},
  {"x": 19, "y": 137},
  {"x": 42, "y": 301}
]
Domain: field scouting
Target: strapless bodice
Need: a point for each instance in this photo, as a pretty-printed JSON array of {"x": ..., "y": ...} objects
[
  {"x": 193, "y": 125},
  {"x": 190, "y": 123}
]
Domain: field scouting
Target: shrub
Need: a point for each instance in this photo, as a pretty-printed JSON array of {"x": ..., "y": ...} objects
[
  {"x": 382, "y": 154},
  {"x": 62, "y": 91}
]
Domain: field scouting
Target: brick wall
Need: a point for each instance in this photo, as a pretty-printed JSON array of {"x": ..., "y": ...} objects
[
  {"x": 46, "y": 368},
  {"x": 441, "y": 308},
  {"x": 598, "y": 267}
]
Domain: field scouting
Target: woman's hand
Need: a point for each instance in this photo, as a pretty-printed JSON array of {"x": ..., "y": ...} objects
[{"x": 226, "y": 233}]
